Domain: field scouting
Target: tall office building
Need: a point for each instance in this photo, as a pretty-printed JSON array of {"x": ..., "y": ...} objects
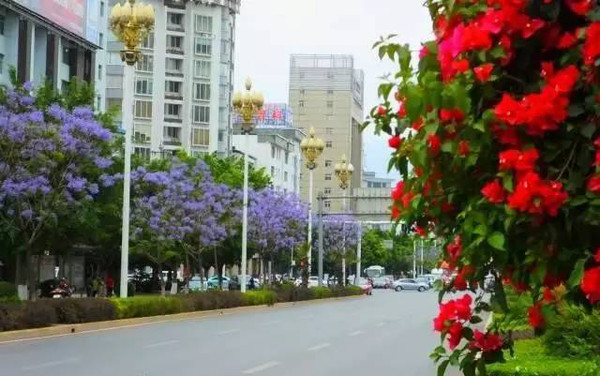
[
  {"x": 326, "y": 92},
  {"x": 183, "y": 82},
  {"x": 53, "y": 40}
]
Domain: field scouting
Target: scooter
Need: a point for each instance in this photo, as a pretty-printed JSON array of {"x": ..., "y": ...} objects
[{"x": 59, "y": 293}]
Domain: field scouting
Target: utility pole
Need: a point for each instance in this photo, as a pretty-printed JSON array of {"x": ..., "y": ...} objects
[
  {"x": 358, "y": 255},
  {"x": 422, "y": 256},
  {"x": 414, "y": 259},
  {"x": 320, "y": 199}
]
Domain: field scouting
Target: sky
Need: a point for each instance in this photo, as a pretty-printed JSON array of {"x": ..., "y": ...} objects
[{"x": 269, "y": 31}]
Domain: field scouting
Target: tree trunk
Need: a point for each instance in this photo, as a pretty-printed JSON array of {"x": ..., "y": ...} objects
[
  {"x": 163, "y": 285},
  {"x": 271, "y": 279},
  {"x": 30, "y": 272},
  {"x": 18, "y": 268},
  {"x": 217, "y": 269}
]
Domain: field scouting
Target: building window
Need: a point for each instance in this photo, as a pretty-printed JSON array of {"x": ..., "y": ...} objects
[
  {"x": 201, "y": 114},
  {"x": 172, "y": 110},
  {"x": 65, "y": 55},
  {"x": 143, "y": 109},
  {"x": 172, "y": 134},
  {"x": 148, "y": 41},
  {"x": 272, "y": 151},
  {"x": 287, "y": 157},
  {"x": 327, "y": 191},
  {"x": 202, "y": 92},
  {"x": 200, "y": 137},
  {"x": 272, "y": 171},
  {"x": 302, "y": 92},
  {"x": 301, "y": 103},
  {"x": 328, "y": 163},
  {"x": 173, "y": 87},
  {"x": 143, "y": 86},
  {"x": 328, "y": 177},
  {"x": 142, "y": 152},
  {"x": 327, "y": 204},
  {"x": 2, "y": 21},
  {"x": 203, "y": 24},
  {"x": 174, "y": 42},
  {"x": 99, "y": 71},
  {"x": 174, "y": 65},
  {"x": 98, "y": 102},
  {"x": 329, "y": 104},
  {"x": 330, "y": 92},
  {"x": 285, "y": 176},
  {"x": 328, "y": 144},
  {"x": 102, "y": 9},
  {"x": 175, "y": 19},
  {"x": 203, "y": 46},
  {"x": 328, "y": 130},
  {"x": 146, "y": 63},
  {"x": 101, "y": 39},
  {"x": 330, "y": 75},
  {"x": 202, "y": 68}
]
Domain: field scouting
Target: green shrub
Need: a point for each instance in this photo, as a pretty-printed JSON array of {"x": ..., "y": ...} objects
[
  {"x": 73, "y": 311},
  {"x": 260, "y": 297},
  {"x": 37, "y": 315},
  {"x": 531, "y": 360},
  {"x": 516, "y": 319},
  {"x": 144, "y": 306},
  {"x": 9, "y": 316},
  {"x": 8, "y": 292},
  {"x": 321, "y": 292},
  {"x": 214, "y": 299},
  {"x": 575, "y": 333}
]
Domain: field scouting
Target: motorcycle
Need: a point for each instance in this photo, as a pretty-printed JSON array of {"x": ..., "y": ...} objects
[{"x": 60, "y": 293}]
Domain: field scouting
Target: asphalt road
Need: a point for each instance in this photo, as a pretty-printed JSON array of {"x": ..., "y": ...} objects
[{"x": 387, "y": 334}]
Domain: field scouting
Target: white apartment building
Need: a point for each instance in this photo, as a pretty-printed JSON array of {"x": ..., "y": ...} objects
[
  {"x": 183, "y": 82},
  {"x": 53, "y": 40},
  {"x": 274, "y": 145}
]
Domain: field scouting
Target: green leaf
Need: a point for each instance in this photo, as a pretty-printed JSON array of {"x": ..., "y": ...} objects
[
  {"x": 588, "y": 130},
  {"x": 476, "y": 320},
  {"x": 507, "y": 182},
  {"x": 448, "y": 147},
  {"x": 576, "y": 274},
  {"x": 496, "y": 240},
  {"x": 442, "y": 367},
  {"x": 467, "y": 333},
  {"x": 577, "y": 201},
  {"x": 480, "y": 126},
  {"x": 481, "y": 230}
]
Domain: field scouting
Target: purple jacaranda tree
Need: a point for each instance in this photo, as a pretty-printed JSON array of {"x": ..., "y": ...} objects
[
  {"x": 51, "y": 161},
  {"x": 340, "y": 237},
  {"x": 276, "y": 222}
]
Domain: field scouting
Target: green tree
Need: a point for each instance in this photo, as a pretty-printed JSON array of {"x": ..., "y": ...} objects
[{"x": 230, "y": 171}]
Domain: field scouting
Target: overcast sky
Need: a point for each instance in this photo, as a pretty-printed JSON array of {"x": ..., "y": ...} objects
[{"x": 268, "y": 31}]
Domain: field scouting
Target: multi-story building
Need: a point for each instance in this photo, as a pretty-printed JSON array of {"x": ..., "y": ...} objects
[
  {"x": 326, "y": 92},
  {"x": 53, "y": 41},
  {"x": 370, "y": 180},
  {"x": 183, "y": 82},
  {"x": 274, "y": 145}
]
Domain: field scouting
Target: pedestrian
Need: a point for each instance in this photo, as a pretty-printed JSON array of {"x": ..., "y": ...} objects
[
  {"x": 110, "y": 285},
  {"x": 251, "y": 283}
]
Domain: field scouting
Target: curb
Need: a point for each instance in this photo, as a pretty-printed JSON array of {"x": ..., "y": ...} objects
[{"x": 99, "y": 326}]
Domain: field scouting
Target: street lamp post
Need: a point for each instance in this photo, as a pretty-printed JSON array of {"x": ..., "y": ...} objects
[
  {"x": 343, "y": 171},
  {"x": 130, "y": 22},
  {"x": 312, "y": 148},
  {"x": 247, "y": 105}
]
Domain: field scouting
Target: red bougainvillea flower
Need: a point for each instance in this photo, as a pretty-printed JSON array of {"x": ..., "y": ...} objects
[
  {"x": 460, "y": 283},
  {"x": 506, "y": 45},
  {"x": 421, "y": 231},
  {"x": 597, "y": 159},
  {"x": 395, "y": 212},
  {"x": 507, "y": 136},
  {"x": 563, "y": 81},
  {"x": 486, "y": 342},
  {"x": 452, "y": 115},
  {"x": 461, "y": 66},
  {"x": 472, "y": 37},
  {"x": 590, "y": 284},
  {"x": 398, "y": 191},
  {"x": 566, "y": 40},
  {"x": 402, "y": 110},
  {"x": 593, "y": 184},
  {"x": 424, "y": 52},
  {"x": 434, "y": 143},
  {"x": 492, "y": 21},
  {"x": 597, "y": 255},
  {"x": 454, "y": 249},
  {"x": 536, "y": 318},
  {"x": 447, "y": 207},
  {"x": 580, "y": 7},
  {"x": 508, "y": 110},
  {"x": 519, "y": 161},
  {"x": 395, "y": 142},
  {"x": 483, "y": 72},
  {"x": 535, "y": 196},
  {"x": 548, "y": 295},
  {"x": 591, "y": 47},
  {"x": 597, "y": 143},
  {"x": 454, "y": 335},
  {"x": 417, "y": 125},
  {"x": 453, "y": 310},
  {"x": 494, "y": 192},
  {"x": 381, "y": 111},
  {"x": 463, "y": 148}
]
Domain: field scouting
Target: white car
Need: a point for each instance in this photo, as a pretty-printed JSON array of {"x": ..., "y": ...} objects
[{"x": 312, "y": 281}]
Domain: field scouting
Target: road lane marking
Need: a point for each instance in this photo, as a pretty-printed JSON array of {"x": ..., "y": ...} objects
[
  {"x": 231, "y": 331},
  {"x": 319, "y": 347},
  {"x": 354, "y": 334},
  {"x": 161, "y": 344},
  {"x": 55, "y": 363},
  {"x": 262, "y": 367}
]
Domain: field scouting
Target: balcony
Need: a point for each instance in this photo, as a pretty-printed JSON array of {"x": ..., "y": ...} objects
[
  {"x": 172, "y": 141},
  {"x": 175, "y": 96},
  {"x": 173, "y": 119},
  {"x": 175, "y": 50},
  {"x": 175, "y": 27},
  {"x": 173, "y": 73}
]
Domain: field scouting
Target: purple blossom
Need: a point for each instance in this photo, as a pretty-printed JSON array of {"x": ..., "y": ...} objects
[{"x": 103, "y": 163}]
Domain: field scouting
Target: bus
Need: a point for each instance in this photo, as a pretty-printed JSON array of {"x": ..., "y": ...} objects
[{"x": 375, "y": 271}]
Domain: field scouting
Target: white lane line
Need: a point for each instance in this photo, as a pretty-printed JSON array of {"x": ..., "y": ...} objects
[
  {"x": 161, "y": 344},
  {"x": 357, "y": 333},
  {"x": 55, "y": 363},
  {"x": 231, "y": 331},
  {"x": 319, "y": 347},
  {"x": 262, "y": 367}
]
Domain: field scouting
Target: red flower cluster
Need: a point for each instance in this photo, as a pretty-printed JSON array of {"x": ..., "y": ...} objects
[
  {"x": 520, "y": 161},
  {"x": 381, "y": 111},
  {"x": 455, "y": 115},
  {"x": 536, "y": 317},
  {"x": 461, "y": 281},
  {"x": 597, "y": 255},
  {"x": 395, "y": 142},
  {"x": 591, "y": 47},
  {"x": 464, "y": 148},
  {"x": 590, "y": 285},
  {"x": 540, "y": 112},
  {"x": 434, "y": 143},
  {"x": 535, "y": 196},
  {"x": 454, "y": 250},
  {"x": 494, "y": 192},
  {"x": 401, "y": 196},
  {"x": 486, "y": 342},
  {"x": 483, "y": 72},
  {"x": 452, "y": 315},
  {"x": 580, "y": 7}
]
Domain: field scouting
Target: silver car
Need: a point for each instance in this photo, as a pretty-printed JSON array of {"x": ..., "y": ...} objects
[{"x": 411, "y": 284}]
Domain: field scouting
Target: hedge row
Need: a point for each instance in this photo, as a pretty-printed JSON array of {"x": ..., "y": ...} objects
[{"x": 47, "y": 312}]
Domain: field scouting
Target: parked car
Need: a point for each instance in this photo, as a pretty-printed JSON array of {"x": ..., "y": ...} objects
[
  {"x": 410, "y": 284},
  {"x": 365, "y": 286},
  {"x": 382, "y": 282},
  {"x": 213, "y": 282},
  {"x": 312, "y": 281},
  {"x": 234, "y": 282}
]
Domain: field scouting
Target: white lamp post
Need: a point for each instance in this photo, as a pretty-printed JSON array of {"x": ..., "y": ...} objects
[
  {"x": 247, "y": 105},
  {"x": 130, "y": 22},
  {"x": 343, "y": 171}
]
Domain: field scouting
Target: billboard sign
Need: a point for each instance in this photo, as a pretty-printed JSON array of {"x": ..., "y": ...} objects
[
  {"x": 69, "y": 14},
  {"x": 272, "y": 115}
]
